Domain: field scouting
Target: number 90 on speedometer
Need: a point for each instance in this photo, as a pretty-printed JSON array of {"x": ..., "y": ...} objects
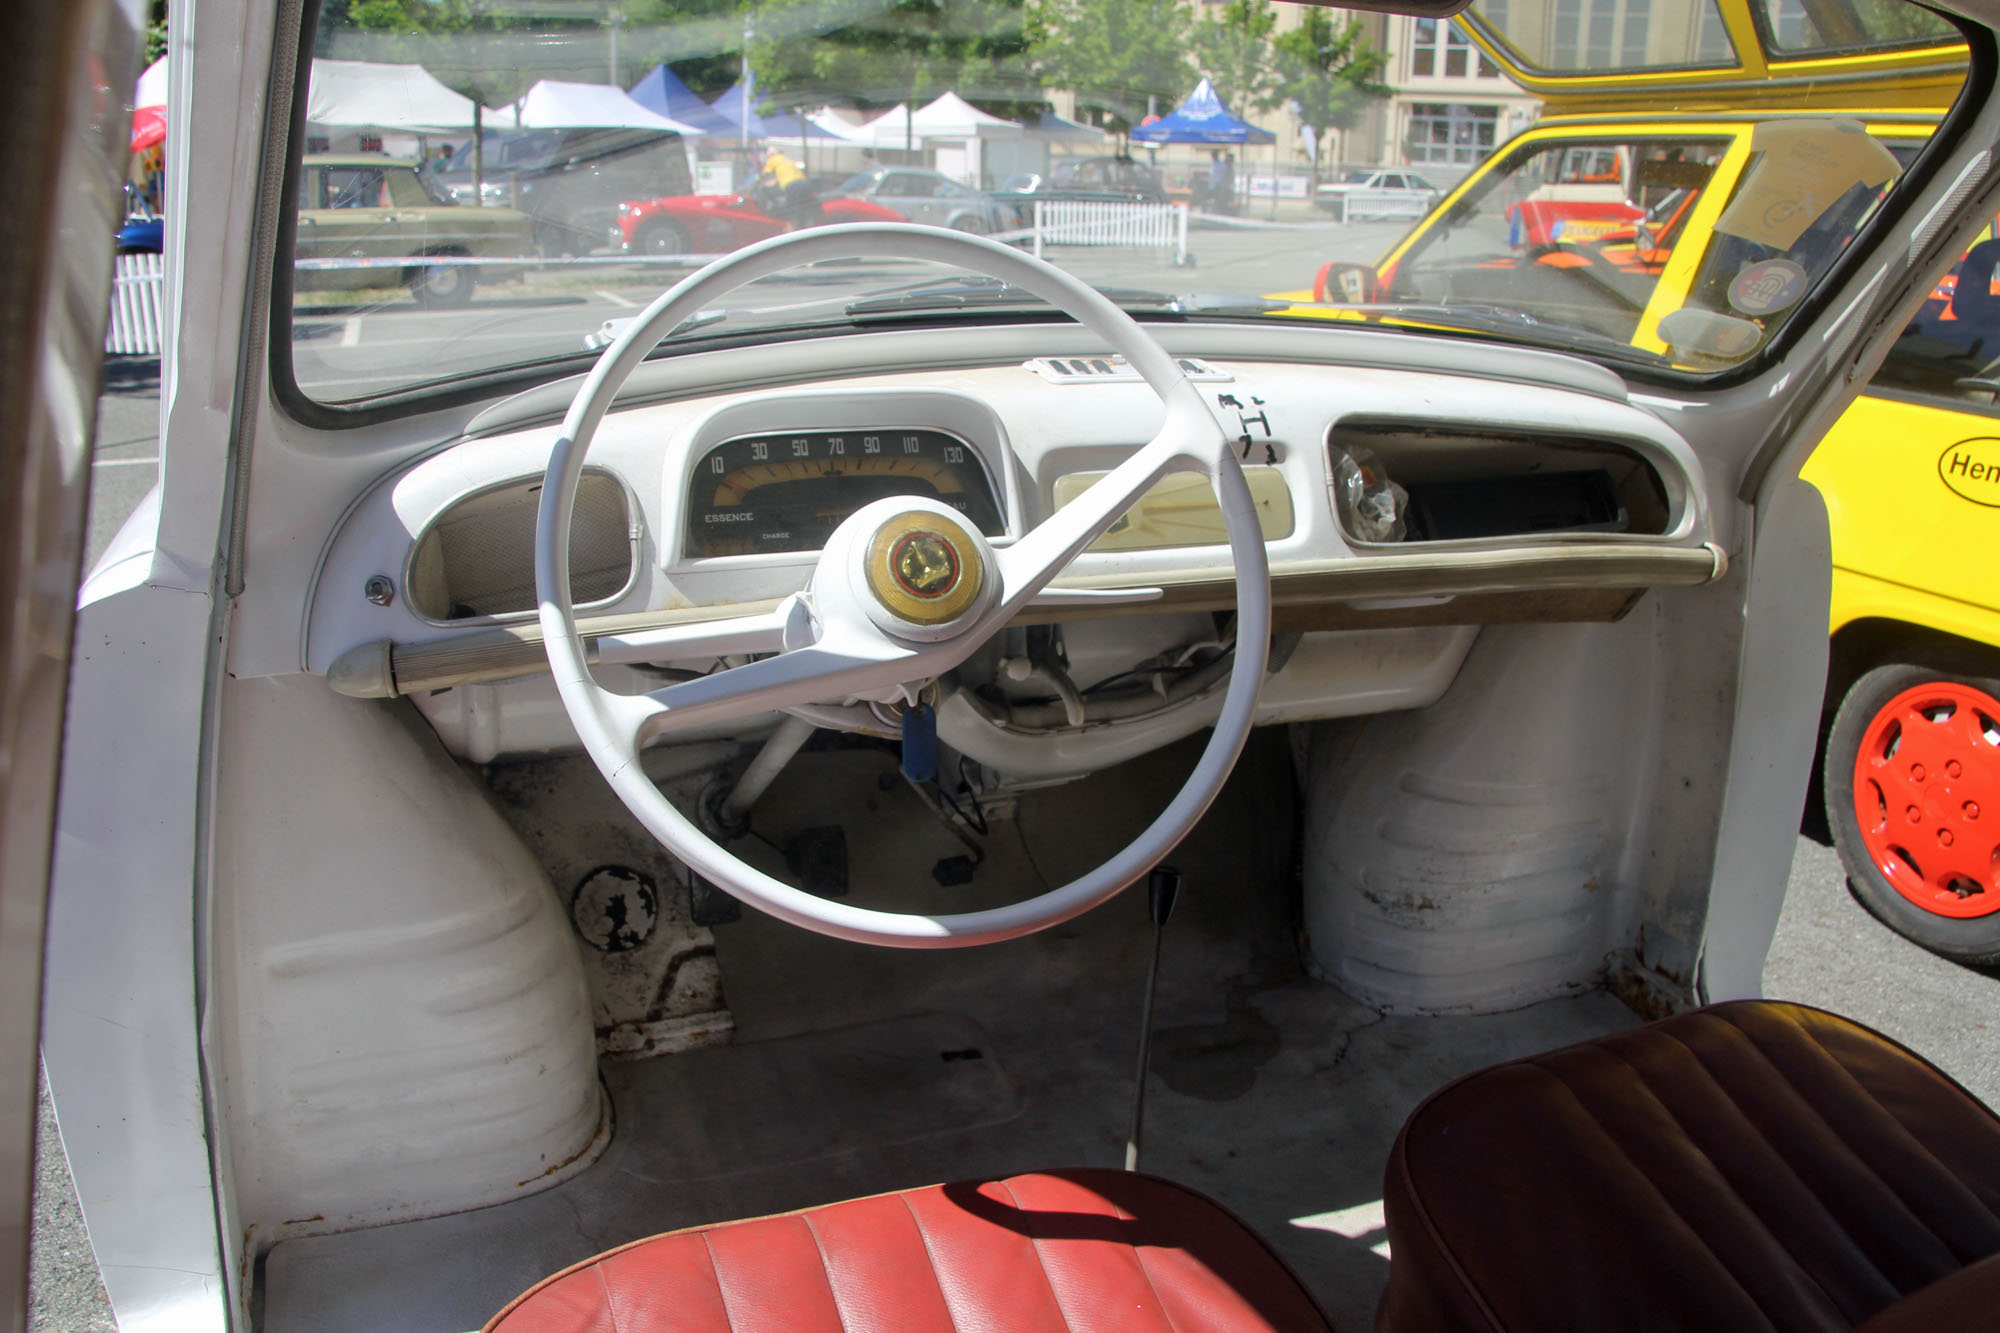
[{"x": 788, "y": 491}]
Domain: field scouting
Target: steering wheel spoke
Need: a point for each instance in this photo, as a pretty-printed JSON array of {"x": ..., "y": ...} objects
[
  {"x": 1190, "y": 442},
  {"x": 787, "y": 625},
  {"x": 840, "y": 667}
]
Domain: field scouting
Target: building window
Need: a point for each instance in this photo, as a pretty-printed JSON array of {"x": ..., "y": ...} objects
[
  {"x": 1712, "y": 44},
  {"x": 1437, "y": 48},
  {"x": 1450, "y": 134},
  {"x": 1791, "y": 29},
  {"x": 1601, "y": 34}
]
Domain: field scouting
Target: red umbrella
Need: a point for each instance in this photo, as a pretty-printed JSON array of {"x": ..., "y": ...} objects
[{"x": 149, "y": 127}]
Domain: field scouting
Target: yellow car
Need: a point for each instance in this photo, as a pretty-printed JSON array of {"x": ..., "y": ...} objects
[
  {"x": 1649, "y": 221},
  {"x": 1911, "y": 476}
]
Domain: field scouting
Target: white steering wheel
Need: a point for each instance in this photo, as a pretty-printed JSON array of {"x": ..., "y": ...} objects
[{"x": 904, "y": 591}]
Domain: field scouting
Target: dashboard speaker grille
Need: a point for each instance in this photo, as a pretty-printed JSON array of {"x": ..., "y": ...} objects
[{"x": 477, "y": 558}]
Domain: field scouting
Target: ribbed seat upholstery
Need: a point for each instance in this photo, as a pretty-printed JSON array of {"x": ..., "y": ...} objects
[
  {"x": 1749, "y": 1166},
  {"x": 1067, "y": 1250}
]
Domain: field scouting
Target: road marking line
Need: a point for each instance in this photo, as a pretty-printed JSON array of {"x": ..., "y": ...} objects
[
  {"x": 124, "y": 462},
  {"x": 617, "y": 300},
  {"x": 350, "y": 333},
  {"x": 1362, "y": 1222}
]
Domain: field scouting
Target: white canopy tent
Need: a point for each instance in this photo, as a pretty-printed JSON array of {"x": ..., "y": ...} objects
[
  {"x": 383, "y": 96},
  {"x": 950, "y": 126},
  {"x": 829, "y": 120},
  {"x": 891, "y": 129},
  {"x": 151, "y": 90},
  {"x": 555, "y": 105},
  {"x": 948, "y": 117},
  {"x": 952, "y": 117}
]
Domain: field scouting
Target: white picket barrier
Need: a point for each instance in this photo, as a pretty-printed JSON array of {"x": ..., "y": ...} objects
[
  {"x": 137, "y": 284},
  {"x": 1133, "y": 226},
  {"x": 1375, "y": 205}
]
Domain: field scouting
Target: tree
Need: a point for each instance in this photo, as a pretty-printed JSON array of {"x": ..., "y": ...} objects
[
  {"x": 1116, "y": 54},
  {"x": 1236, "y": 54},
  {"x": 904, "y": 51},
  {"x": 1330, "y": 70},
  {"x": 702, "y": 40}
]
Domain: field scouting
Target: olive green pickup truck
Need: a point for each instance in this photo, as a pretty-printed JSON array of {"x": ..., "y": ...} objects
[{"x": 366, "y": 208}]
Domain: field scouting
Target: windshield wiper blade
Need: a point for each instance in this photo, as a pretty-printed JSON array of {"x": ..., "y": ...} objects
[
  {"x": 975, "y": 293},
  {"x": 1511, "y": 323},
  {"x": 1226, "y": 303}
]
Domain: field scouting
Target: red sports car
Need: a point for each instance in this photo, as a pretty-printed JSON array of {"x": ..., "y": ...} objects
[{"x": 683, "y": 224}]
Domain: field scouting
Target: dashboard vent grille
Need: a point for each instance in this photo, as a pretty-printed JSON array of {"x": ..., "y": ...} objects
[{"x": 1111, "y": 369}]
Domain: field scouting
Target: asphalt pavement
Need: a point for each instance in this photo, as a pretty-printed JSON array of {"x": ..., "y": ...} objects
[{"x": 1828, "y": 952}]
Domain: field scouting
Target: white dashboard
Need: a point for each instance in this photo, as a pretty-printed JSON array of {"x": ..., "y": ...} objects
[{"x": 1520, "y": 501}]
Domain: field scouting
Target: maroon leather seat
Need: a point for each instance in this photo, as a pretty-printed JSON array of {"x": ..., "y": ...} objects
[
  {"x": 1748, "y": 1166},
  {"x": 1076, "y": 1250}
]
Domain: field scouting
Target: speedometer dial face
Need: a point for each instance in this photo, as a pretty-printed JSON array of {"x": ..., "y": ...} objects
[{"x": 788, "y": 491}]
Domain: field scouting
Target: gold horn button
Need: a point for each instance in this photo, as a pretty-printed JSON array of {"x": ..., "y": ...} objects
[{"x": 922, "y": 571}]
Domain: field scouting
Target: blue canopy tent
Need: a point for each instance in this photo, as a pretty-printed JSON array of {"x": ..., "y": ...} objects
[
  {"x": 1203, "y": 119},
  {"x": 662, "y": 91}
]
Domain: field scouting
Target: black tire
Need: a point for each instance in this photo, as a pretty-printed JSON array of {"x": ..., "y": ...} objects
[
  {"x": 970, "y": 223},
  {"x": 1971, "y": 940},
  {"x": 661, "y": 237},
  {"x": 443, "y": 286}
]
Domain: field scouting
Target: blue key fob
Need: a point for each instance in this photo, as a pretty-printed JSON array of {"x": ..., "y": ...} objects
[{"x": 920, "y": 743}]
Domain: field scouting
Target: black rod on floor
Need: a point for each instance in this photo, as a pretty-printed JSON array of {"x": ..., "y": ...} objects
[{"x": 1163, "y": 886}]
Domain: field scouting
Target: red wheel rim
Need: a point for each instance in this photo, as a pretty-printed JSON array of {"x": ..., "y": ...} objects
[{"x": 1927, "y": 797}]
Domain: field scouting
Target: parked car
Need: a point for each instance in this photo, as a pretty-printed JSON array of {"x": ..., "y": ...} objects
[
  {"x": 922, "y": 195},
  {"x": 1103, "y": 178},
  {"x": 1378, "y": 194},
  {"x": 363, "y": 207},
  {"x": 569, "y": 181},
  {"x": 709, "y": 223}
]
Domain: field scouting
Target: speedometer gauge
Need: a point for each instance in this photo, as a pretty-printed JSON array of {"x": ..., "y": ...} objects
[{"x": 788, "y": 491}]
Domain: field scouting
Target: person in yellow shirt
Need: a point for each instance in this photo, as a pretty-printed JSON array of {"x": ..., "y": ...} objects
[
  {"x": 780, "y": 170},
  {"x": 782, "y": 191}
]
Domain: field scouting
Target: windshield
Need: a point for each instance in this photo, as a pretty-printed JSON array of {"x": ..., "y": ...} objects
[{"x": 486, "y": 188}]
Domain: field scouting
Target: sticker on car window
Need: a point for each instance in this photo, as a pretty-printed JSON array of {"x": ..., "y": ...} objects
[
  {"x": 1804, "y": 168},
  {"x": 1768, "y": 286},
  {"x": 1697, "y": 332}
]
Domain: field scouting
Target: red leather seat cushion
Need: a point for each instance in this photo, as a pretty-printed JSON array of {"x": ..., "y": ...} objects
[
  {"x": 1064, "y": 1250},
  {"x": 1748, "y": 1166}
]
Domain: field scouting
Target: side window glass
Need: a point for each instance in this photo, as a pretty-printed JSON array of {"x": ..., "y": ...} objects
[
  {"x": 1951, "y": 350},
  {"x": 355, "y": 187},
  {"x": 1544, "y": 208}
]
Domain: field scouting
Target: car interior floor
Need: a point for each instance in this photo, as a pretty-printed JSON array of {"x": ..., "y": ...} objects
[{"x": 854, "y": 1070}]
